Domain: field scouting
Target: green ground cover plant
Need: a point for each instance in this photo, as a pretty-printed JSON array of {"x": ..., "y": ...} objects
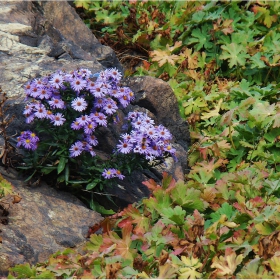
[{"x": 222, "y": 61}]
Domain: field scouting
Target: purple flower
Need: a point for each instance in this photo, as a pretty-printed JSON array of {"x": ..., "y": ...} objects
[
  {"x": 138, "y": 124},
  {"x": 56, "y": 103},
  {"x": 28, "y": 88},
  {"x": 33, "y": 137},
  {"x": 29, "y": 118},
  {"x": 114, "y": 93},
  {"x": 90, "y": 85},
  {"x": 97, "y": 90},
  {"x": 34, "y": 92},
  {"x": 163, "y": 132},
  {"x": 44, "y": 93},
  {"x": 114, "y": 73},
  {"x": 40, "y": 111},
  {"x": 91, "y": 139},
  {"x": 56, "y": 80},
  {"x": 83, "y": 120},
  {"x": 90, "y": 127},
  {"x": 79, "y": 104},
  {"x": 107, "y": 174},
  {"x": 119, "y": 174},
  {"x": 132, "y": 116},
  {"x": 124, "y": 147},
  {"x": 28, "y": 109},
  {"x": 85, "y": 73},
  {"x": 49, "y": 115},
  {"x": 75, "y": 125},
  {"x": 168, "y": 148},
  {"x": 100, "y": 118},
  {"x": 76, "y": 149},
  {"x": 131, "y": 95},
  {"x": 106, "y": 88},
  {"x": 127, "y": 137},
  {"x": 88, "y": 148},
  {"x": 147, "y": 120},
  {"x": 143, "y": 149},
  {"x": 99, "y": 103},
  {"x": 78, "y": 83},
  {"x": 124, "y": 100},
  {"x": 28, "y": 140},
  {"x": 58, "y": 119},
  {"x": 110, "y": 107},
  {"x": 28, "y": 144},
  {"x": 152, "y": 133},
  {"x": 112, "y": 173}
]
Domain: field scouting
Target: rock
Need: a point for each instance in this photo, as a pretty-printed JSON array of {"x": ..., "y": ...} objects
[
  {"x": 156, "y": 98},
  {"x": 36, "y": 39},
  {"x": 42, "y": 223}
]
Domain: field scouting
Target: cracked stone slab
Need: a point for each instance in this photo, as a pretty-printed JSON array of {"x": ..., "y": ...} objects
[{"x": 44, "y": 222}]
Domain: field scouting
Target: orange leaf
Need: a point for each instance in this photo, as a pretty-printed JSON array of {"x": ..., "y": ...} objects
[{"x": 146, "y": 65}]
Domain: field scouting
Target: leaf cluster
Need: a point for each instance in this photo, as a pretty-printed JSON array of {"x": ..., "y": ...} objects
[
  {"x": 183, "y": 230},
  {"x": 191, "y": 40}
]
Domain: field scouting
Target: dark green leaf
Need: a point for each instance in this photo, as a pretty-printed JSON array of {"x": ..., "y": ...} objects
[{"x": 61, "y": 165}]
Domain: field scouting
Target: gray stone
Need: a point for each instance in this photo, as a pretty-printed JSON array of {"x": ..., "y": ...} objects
[
  {"x": 42, "y": 223},
  {"x": 38, "y": 38}
]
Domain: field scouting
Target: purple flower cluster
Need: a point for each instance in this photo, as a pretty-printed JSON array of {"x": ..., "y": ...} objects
[
  {"x": 100, "y": 98},
  {"x": 79, "y": 102},
  {"x": 145, "y": 138},
  {"x": 112, "y": 173},
  {"x": 28, "y": 140}
]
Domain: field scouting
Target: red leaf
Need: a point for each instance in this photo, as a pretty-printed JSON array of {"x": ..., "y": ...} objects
[
  {"x": 146, "y": 65},
  {"x": 152, "y": 185}
]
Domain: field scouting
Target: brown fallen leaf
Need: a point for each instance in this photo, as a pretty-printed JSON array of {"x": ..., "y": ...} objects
[{"x": 17, "y": 199}]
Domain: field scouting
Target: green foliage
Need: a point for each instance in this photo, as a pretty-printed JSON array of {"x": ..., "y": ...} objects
[
  {"x": 192, "y": 39},
  {"x": 7, "y": 198},
  {"x": 158, "y": 238},
  {"x": 6, "y": 188}
]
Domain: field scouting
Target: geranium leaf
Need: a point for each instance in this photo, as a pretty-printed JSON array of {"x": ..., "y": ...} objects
[
  {"x": 5, "y": 187},
  {"x": 190, "y": 200},
  {"x": 214, "y": 112},
  {"x": 190, "y": 270},
  {"x": 200, "y": 37},
  {"x": 24, "y": 271},
  {"x": 163, "y": 57},
  {"x": 275, "y": 264},
  {"x": 226, "y": 265},
  {"x": 225, "y": 209},
  {"x": 135, "y": 217},
  {"x": 236, "y": 54},
  {"x": 167, "y": 271},
  {"x": 264, "y": 228},
  {"x": 254, "y": 270},
  {"x": 177, "y": 214}
]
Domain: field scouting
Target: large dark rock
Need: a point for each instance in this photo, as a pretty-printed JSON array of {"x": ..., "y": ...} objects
[{"x": 156, "y": 98}]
